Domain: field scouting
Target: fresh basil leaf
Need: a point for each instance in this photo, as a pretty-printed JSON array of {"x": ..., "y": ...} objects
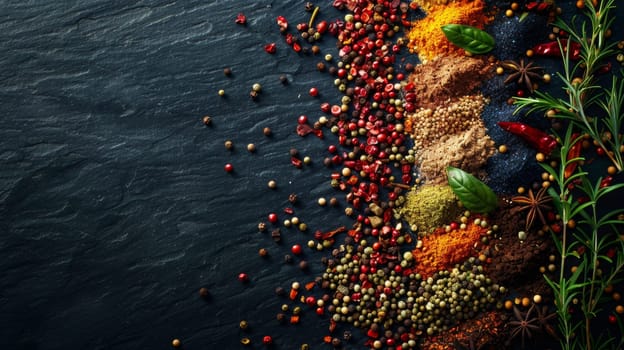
[
  {"x": 474, "y": 194},
  {"x": 469, "y": 38}
]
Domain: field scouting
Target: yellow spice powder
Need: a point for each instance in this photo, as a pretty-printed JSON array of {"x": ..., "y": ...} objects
[{"x": 427, "y": 39}]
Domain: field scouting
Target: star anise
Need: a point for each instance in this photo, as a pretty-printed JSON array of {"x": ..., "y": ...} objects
[
  {"x": 536, "y": 203},
  {"x": 544, "y": 317},
  {"x": 523, "y": 324},
  {"x": 522, "y": 73}
]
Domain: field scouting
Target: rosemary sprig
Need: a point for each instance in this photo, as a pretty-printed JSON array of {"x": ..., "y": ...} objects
[
  {"x": 581, "y": 85},
  {"x": 594, "y": 231}
]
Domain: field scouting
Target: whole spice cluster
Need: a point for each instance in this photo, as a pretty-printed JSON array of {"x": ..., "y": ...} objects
[
  {"x": 412, "y": 270},
  {"x": 397, "y": 295}
]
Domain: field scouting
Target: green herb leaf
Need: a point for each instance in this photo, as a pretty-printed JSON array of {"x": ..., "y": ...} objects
[
  {"x": 469, "y": 38},
  {"x": 474, "y": 194}
]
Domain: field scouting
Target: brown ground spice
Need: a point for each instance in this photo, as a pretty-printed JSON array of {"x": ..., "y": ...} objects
[
  {"x": 468, "y": 151},
  {"x": 451, "y": 134},
  {"x": 515, "y": 263},
  {"x": 447, "y": 78}
]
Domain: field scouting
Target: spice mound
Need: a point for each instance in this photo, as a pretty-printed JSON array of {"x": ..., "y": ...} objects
[
  {"x": 429, "y": 207},
  {"x": 442, "y": 250},
  {"x": 452, "y": 134},
  {"x": 468, "y": 151},
  {"x": 447, "y": 78},
  {"x": 427, "y": 39}
]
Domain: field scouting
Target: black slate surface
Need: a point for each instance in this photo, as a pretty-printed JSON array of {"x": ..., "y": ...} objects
[{"x": 114, "y": 206}]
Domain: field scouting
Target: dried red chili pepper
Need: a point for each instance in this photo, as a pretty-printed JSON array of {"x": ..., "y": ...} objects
[
  {"x": 332, "y": 233},
  {"x": 532, "y": 5},
  {"x": 339, "y": 4},
  {"x": 544, "y": 7},
  {"x": 270, "y": 48},
  {"x": 611, "y": 253},
  {"x": 352, "y": 233},
  {"x": 606, "y": 182},
  {"x": 241, "y": 19},
  {"x": 387, "y": 215},
  {"x": 605, "y": 68},
  {"x": 573, "y": 152},
  {"x": 552, "y": 49},
  {"x": 296, "y": 162},
  {"x": 282, "y": 22},
  {"x": 305, "y": 129},
  {"x": 332, "y": 325},
  {"x": 538, "y": 139},
  {"x": 539, "y": 7},
  {"x": 296, "y": 47}
]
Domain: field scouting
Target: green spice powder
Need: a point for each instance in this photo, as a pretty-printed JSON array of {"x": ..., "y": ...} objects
[{"x": 429, "y": 207}]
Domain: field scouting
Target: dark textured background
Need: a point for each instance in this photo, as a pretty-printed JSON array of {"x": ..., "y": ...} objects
[{"x": 114, "y": 206}]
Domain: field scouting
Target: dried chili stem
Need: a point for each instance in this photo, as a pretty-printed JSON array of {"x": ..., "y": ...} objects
[{"x": 313, "y": 17}]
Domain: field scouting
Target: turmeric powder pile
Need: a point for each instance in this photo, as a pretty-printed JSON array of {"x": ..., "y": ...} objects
[
  {"x": 427, "y": 39},
  {"x": 443, "y": 250},
  {"x": 427, "y": 4}
]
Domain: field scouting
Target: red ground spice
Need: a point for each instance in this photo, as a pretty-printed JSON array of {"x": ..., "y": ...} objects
[
  {"x": 483, "y": 330},
  {"x": 443, "y": 250}
]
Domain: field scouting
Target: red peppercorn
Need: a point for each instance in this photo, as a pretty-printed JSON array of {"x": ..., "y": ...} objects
[
  {"x": 313, "y": 92},
  {"x": 336, "y": 110},
  {"x": 243, "y": 277},
  {"x": 273, "y": 218},
  {"x": 325, "y": 107},
  {"x": 321, "y": 27},
  {"x": 296, "y": 249},
  {"x": 228, "y": 167},
  {"x": 267, "y": 340}
]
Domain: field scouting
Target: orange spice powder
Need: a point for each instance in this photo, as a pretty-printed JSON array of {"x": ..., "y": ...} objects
[
  {"x": 443, "y": 250},
  {"x": 427, "y": 39}
]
